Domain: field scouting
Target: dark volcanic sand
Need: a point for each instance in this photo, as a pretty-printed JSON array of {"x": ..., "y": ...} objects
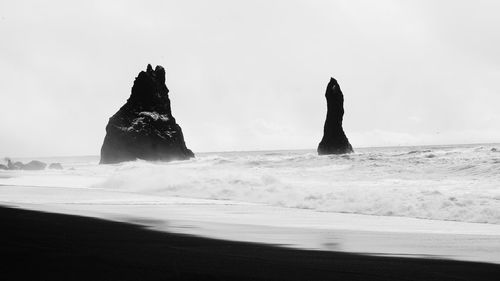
[{"x": 46, "y": 246}]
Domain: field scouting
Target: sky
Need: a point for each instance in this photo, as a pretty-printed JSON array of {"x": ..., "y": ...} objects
[{"x": 251, "y": 75}]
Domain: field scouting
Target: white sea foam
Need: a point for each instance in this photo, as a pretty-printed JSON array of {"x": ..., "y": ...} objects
[{"x": 460, "y": 183}]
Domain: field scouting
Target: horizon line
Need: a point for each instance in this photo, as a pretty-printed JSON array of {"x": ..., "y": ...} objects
[{"x": 268, "y": 150}]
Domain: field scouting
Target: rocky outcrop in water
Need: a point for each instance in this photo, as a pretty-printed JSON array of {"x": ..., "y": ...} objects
[
  {"x": 334, "y": 139},
  {"x": 55, "y": 166},
  {"x": 14, "y": 165},
  {"x": 32, "y": 165},
  {"x": 144, "y": 127}
]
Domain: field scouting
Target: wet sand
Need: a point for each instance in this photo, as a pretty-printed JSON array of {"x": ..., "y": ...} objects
[
  {"x": 47, "y": 246},
  {"x": 257, "y": 223}
]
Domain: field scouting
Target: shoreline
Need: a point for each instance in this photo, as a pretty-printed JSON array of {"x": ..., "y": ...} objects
[
  {"x": 67, "y": 247},
  {"x": 257, "y": 223}
]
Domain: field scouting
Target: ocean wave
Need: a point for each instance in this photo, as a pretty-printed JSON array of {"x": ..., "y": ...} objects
[
  {"x": 418, "y": 151},
  {"x": 460, "y": 184}
]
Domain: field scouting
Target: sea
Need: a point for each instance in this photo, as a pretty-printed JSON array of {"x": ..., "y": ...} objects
[{"x": 446, "y": 182}]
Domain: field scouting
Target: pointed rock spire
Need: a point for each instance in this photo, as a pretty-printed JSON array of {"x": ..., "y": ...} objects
[{"x": 334, "y": 139}]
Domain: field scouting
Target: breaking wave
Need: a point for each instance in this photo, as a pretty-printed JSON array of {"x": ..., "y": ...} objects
[{"x": 460, "y": 183}]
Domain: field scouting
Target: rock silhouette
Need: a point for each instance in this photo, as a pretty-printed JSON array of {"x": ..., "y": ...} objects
[
  {"x": 144, "y": 127},
  {"x": 55, "y": 166},
  {"x": 32, "y": 165},
  {"x": 334, "y": 139}
]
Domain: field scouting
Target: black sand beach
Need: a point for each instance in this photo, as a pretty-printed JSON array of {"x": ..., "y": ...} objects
[{"x": 46, "y": 246}]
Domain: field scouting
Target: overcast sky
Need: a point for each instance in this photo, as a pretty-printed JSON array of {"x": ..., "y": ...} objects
[{"x": 251, "y": 75}]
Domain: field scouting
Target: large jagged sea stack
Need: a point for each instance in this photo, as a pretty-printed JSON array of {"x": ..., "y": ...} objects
[
  {"x": 144, "y": 127},
  {"x": 334, "y": 139}
]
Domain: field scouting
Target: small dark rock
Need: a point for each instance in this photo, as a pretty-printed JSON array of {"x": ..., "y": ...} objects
[
  {"x": 14, "y": 165},
  {"x": 3, "y": 167},
  {"x": 56, "y": 166},
  {"x": 494, "y": 149},
  {"x": 34, "y": 165}
]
